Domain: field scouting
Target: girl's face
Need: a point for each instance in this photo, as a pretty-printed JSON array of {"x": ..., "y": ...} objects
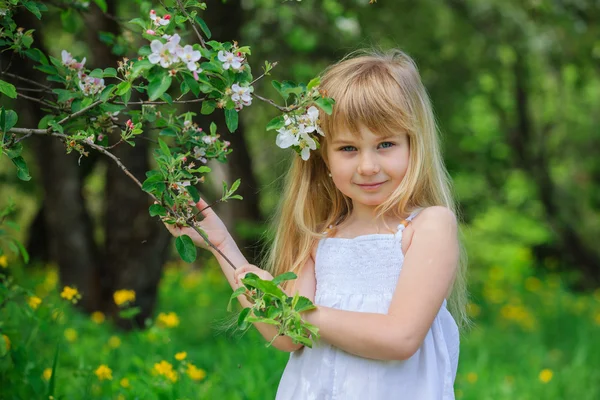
[{"x": 369, "y": 168}]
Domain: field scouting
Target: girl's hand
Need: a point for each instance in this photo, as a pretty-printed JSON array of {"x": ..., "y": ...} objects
[
  {"x": 241, "y": 272},
  {"x": 212, "y": 225}
]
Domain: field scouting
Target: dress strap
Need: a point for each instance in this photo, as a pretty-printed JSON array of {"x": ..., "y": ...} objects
[{"x": 405, "y": 223}]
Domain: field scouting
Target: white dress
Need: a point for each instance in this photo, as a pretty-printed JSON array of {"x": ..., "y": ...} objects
[{"x": 361, "y": 274}]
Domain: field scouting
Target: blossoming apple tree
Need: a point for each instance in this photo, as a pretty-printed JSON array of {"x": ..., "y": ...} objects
[{"x": 84, "y": 107}]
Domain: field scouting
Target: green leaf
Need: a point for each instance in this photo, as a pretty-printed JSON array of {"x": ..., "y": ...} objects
[
  {"x": 263, "y": 320},
  {"x": 37, "y": 56},
  {"x": 241, "y": 322},
  {"x": 139, "y": 67},
  {"x": 213, "y": 128},
  {"x": 168, "y": 132},
  {"x": 304, "y": 304},
  {"x": 110, "y": 73},
  {"x": 14, "y": 151},
  {"x": 52, "y": 383},
  {"x": 101, "y": 4},
  {"x": 192, "y": 84},
  {"x": 235, "y": 186},
  {"x": 34, "y": 8},
  {"x": 287, "y": 276},
  {"x": 22, "y": 170},
  {"x": 186, "y": 248},
  {"x": 203, "y": 26},
  {"x": 231, "y": 119},
  {"x": 8, "y": 89},
  {"x": 129, "y": 313},
  {"x": 208, "y": 106},
  {"x": 139, "y": 21},
  {"x": 22, "y": 250},
  {"x": 268, "y": 287},
  {"x": 194, "y": 193},
  {"x": 159, "y": 85},
  {"x": 276, "y": 123},
  {"x": 238, "y": 292},
  {"x": 157, "y": 209},
  {"x": 8, "y": 119},
  {"x": 314, "y": 82},
  {"x": 164, "y": 148},
  {"x": 326, "y": 104},
  {"x": 123, "y": 88}
]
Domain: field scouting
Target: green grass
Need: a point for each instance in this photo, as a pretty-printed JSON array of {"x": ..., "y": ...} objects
[{"x": 519, "y": 331}]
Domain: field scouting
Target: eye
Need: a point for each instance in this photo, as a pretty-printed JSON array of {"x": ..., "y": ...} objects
[
  {"x": 386, "y": 145},
  {"x": 347, "y": 148}
]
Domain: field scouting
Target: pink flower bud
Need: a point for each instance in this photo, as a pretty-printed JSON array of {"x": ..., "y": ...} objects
[
  {"x": 100, "y": 137},
  {"x": 239, "y": 53},
  {"x": 150, "y": 32},
  {"x": 152, "y": 12},
  {"x": 196, "y": 77},
  {"x": 184, "y": 159},
  {"x": 167, "y": 17}
]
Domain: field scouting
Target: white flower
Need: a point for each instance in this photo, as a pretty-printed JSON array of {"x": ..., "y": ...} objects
[
  {"x": 241, "y": 95},
  {"x": 70, "y": 62},
  {"x": 90, "y": 86},
  {"x": 189, "y": 56},
  {"x": 306, "y": 144},
  {"x": 199, "y": 152},
  {"x": 164, "y": 53},
  {"x": 230, "y": 60},
  {"x": 287, "y": 138}
]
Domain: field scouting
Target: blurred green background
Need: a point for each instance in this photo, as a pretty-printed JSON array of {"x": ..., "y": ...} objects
[{"x": 516, "y": 89}]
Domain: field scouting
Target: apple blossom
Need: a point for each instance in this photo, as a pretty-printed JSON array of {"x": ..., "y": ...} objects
[
  {"x": 70, "y": 62},
  {"x": 230, "y": 60},
  {"x": 189, "y": 56},
  {"x": 241, "y": 95}
]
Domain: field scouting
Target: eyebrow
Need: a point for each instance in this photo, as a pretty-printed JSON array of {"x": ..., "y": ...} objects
[{"x": 344, "y": 141}]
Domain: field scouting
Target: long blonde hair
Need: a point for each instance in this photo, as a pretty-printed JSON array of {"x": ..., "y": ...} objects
[{"x": 383, "y": 92}]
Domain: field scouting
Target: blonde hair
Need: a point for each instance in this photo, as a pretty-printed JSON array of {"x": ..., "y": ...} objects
[{"x": 383, "y": 92}]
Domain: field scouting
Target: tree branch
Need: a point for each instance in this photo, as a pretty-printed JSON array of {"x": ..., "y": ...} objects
[{"x": 192, "y": 22}]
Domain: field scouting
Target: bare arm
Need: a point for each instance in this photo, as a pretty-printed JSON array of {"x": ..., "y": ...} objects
[{"x": 427, "y": 274}]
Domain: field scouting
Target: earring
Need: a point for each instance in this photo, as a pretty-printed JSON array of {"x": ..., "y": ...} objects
[{"x": 329, "y": 174}]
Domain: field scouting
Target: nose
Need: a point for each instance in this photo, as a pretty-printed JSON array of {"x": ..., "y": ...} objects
[{"x": 368, "y": 164}]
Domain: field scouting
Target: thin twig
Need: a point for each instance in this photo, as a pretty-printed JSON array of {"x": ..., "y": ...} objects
[
  {"x": 41, "y": 101},
  {"x": 263, "y": 75},
  {"x": 48, "y": 88},
  {"x": 22, "y": 89},
  {"x": 162, "y": 102},
  {"x": 78, "y": 113},
  {"x": 192, "y": 22},
  {"x": 271, "y": 102}
]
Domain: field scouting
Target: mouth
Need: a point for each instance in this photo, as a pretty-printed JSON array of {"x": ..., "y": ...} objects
[{"x": 370, "y": 186}]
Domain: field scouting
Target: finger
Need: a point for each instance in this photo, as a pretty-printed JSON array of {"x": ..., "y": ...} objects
[{"x": 202, "y": 206}]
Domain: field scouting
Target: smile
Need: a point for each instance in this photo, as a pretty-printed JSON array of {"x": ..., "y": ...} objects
[{"x": 372, "y": 186}]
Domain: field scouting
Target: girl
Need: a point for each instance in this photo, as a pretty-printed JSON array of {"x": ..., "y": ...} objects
[{"x": 381, "y": 292}]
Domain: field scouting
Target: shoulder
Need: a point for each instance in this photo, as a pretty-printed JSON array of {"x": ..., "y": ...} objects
[{"x": 435, "y": 218}]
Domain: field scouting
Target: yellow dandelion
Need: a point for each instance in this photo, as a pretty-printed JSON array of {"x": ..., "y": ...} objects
[
  {"x": 121, "y": 397},
  {"x": 103, "y": 372},
  {"x": 181, "y": 356},
  {"x": 533, "y": 284},
  {"x": 459, "y": 394},
  {"x": 124, "y": 383},
  {"x": 34, "y": 302},
  {"x": 7, "y": 341},
  {"x": 472, "y": 377},
  {"x": 195, "y": 373},
  {"x": 546, "y": 375},
  {"x": 70, "y": 335},
  {"x": 98, "y": 317},
  {"x": 47, "y": 374},
  {"x": 169, "y": 320},
  {"x": 51, "y": 278},
  {"x": 114, "y": 342},
  {"x": 3, "y": 261},
  {"x": 70, "y": 294},
  {"x": 166, "y": 369},
  {"x": 124, "y": 297}
]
